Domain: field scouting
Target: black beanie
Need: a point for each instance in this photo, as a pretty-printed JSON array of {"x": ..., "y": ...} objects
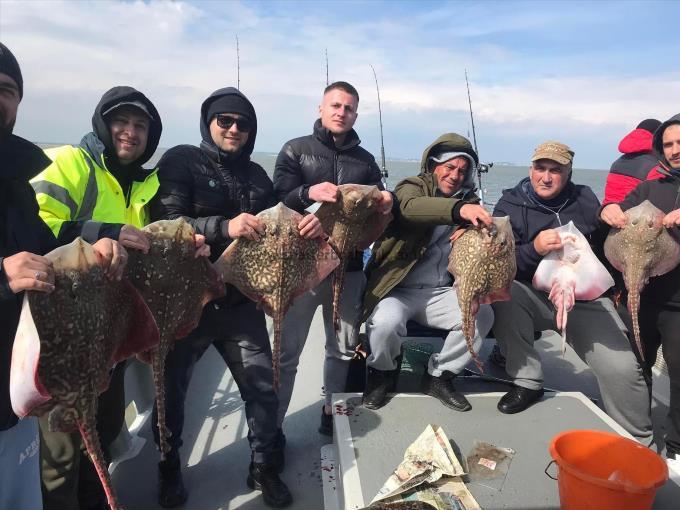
[
  {"x": 650, "y": 125},
  {"x": 10, "y": 67},
  {"x": 230, "y": 103}
]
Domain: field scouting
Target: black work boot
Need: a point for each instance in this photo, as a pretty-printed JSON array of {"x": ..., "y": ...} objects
[
  {"x": 442, "y": 389},
  {"x": 264, "y": 477},
  {"x": 326, "y": 423},
  {"x": 378, "y": 384},
  {"x": 171, "y": 491}
]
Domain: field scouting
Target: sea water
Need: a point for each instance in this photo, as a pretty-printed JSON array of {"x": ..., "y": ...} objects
[{"x": 498, "y": 178}]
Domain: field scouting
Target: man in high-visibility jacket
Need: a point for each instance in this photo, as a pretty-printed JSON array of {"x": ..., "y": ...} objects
[{"x": 97, "y": 189}]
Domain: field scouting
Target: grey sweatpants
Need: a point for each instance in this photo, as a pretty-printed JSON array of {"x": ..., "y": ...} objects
[
  {"x": 599, "y": 337},
  {"x": 432, "y": 307},
  {"x": 339, "y": 345}
]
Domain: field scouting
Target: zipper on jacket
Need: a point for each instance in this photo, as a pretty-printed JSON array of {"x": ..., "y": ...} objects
[
  {"x": 128, "y": 195},
  {"x": 335, "y": 167},
  {"x": 244, "y": 202}
]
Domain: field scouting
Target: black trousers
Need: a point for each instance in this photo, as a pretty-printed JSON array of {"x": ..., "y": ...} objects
[
  {"x": 660, "y": 326},
  {"x": 239, "y": 333}
]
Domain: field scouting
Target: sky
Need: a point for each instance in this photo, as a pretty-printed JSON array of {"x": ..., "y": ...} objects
[{"x": 584, "y": 73}]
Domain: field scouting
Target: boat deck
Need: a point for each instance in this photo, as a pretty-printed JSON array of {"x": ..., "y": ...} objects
[{"x": 215, "y": 454}]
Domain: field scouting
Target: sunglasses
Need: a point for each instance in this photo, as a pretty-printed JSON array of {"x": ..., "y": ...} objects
[{"x": 226, "y": 121}]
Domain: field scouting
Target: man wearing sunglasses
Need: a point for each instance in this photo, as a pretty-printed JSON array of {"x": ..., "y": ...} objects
[
  {"x": 309, "y": 169},
  {"x": 219, "y": 190}
]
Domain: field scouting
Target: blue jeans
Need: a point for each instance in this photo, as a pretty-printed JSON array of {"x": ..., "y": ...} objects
[{"x": 20, "y": 466}]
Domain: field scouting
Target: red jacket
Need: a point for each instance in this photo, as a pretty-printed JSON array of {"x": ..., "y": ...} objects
[{"x": 637, "y": 164}]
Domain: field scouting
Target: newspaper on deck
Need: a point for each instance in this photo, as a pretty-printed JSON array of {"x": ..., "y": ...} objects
[
  {"x": 427, "y": 459},
  {"x": 444, "y": 494}
]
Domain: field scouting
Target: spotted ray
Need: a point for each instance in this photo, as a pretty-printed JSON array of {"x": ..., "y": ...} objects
[
  {"x": 175, "y": 285},
  {"x": 640, "y": 250},
  {"x": 353, "y": 223},
  {"x": 276, "y": 269},
  {"x": 68, "y": 341},
  {"x": 482, "y": 261}
]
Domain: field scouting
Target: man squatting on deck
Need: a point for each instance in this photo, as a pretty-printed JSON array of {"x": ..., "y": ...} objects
[
  {"x": 309, "y": 169},
  {"x": 536, "y": 206},
  {"x": 408, "y": 277}
]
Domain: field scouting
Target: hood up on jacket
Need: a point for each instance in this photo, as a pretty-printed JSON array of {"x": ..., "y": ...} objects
[
  {"x": 658, "y": 137},
  {"x": 451, "y": 142},
  {"x": 638, "y": 140},
  {"x": 207, "y": 143},
  {"x": 101, "y": 130}
]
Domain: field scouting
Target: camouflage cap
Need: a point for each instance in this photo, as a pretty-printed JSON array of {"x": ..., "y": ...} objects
[{"x": 554, "y": 151}]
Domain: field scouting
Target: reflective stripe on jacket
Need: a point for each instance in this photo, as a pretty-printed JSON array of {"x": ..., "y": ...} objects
[{"x": 76, "y": 188}]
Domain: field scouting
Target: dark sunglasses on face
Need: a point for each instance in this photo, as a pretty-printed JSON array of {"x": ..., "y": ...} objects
[{"x": 226, "y": 121}]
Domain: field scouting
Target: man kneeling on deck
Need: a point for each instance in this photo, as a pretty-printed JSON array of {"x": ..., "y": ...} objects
[
  {"x": 408, "y": 277},
  {"x": 536, "y": 206}
]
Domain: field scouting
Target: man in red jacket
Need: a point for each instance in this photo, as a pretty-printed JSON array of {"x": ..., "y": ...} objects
[{"x": 637, "y": 162}]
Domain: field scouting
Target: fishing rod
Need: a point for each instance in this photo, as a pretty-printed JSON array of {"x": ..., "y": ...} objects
[
  {"x": 383, "y": 171},
  {"x": 481, "y": 167},
  {"x": 327, "y": 82},
  {"x": 238, "y": 66}
]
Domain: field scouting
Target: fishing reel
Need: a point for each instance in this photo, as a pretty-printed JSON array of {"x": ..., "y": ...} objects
[{"x": 483, "y": 168}]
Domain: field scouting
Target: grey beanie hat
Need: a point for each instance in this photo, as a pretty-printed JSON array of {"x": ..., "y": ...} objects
[{"x": 443, "y": 157}]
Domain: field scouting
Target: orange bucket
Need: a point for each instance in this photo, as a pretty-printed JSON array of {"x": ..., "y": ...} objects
[{"x": 605, "y": 471}]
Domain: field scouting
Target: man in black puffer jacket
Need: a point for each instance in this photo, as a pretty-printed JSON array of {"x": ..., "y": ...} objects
[
  {"x": 218, "y": 189},
  {"x": 309, "y": 169}
]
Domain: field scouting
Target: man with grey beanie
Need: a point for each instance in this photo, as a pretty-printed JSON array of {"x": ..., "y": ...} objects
[{"x": 408, "y": 277}]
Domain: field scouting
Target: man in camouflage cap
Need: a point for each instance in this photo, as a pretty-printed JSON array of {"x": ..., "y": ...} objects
[{"x": 537, "y": 205}]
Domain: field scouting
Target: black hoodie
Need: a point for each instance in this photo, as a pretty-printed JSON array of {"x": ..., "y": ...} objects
[
  {"x": 528, "y": 219},
  {"x": 21, "y": 229},
  {"x": 208, "y": 187},
  {"x": 99, "y": 144}
]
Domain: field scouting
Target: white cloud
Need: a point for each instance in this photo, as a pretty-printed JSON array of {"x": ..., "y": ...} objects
[{"x": 178, "y": 52}]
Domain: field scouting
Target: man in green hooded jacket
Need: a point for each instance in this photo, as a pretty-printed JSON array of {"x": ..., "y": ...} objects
[{"x": 408, "y": 277}]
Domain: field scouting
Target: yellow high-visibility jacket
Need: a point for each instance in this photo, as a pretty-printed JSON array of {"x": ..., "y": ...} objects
[{"x": 78, "y": 196}]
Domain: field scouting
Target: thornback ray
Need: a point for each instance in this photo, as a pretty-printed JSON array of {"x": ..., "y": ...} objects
[
  {"x": 175, "y": 285},
  {"x": 642, "y": 249},
  {"x": 279, "y": 267},
  {"x": 68, "y": 341},
  {"x": 482, "y": 261},
  {"x": 352, "y": 223}
]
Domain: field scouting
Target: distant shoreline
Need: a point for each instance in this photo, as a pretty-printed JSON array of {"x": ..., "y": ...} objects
[{"x": 262, "y": 155}]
